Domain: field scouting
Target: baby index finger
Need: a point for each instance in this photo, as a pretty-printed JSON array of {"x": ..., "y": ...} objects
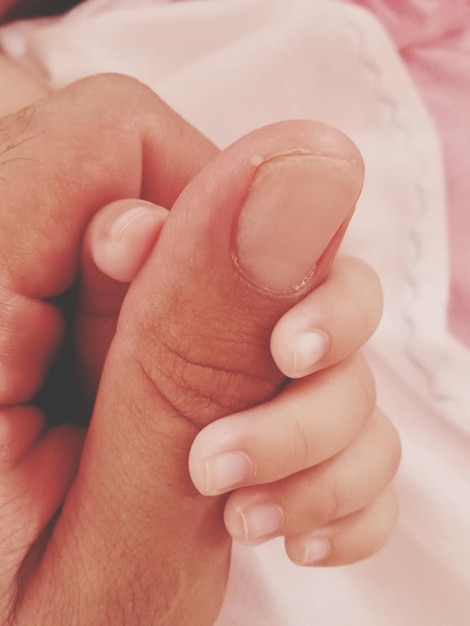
[{"x": 309, "y": 422}]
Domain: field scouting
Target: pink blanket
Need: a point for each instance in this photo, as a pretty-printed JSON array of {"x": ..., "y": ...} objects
[
  {"x": 231, "y": 65},
  {"x": 434, "y": 41}
]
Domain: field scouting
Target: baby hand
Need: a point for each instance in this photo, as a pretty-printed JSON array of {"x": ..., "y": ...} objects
[{"x": 315, "y": 463}]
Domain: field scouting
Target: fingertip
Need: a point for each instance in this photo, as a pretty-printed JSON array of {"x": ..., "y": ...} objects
[
  {"x": 196, "y": 466},
  {"x": 332, "y": 322},
  {"x": 298, "y": 352},
  {"x": 122, "y": 236},
  {"x": 201, "y": 449},
  {"x": 217, "y": 460},
  {"x": 347, "y": 540},
  {"x": 116, "y": 245},
  {"x": 311, "y": 551}
]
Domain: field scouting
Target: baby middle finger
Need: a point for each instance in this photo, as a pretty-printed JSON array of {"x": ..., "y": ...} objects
[{"x": 312, "y": 420}]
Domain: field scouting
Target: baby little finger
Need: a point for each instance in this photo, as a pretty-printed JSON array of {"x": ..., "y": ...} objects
[
  {"x": 349, "y": 539},
  {"x": 339, "y": 487}
]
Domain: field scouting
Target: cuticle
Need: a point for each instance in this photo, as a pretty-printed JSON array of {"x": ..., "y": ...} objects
[{"x": 291, "y": 291}]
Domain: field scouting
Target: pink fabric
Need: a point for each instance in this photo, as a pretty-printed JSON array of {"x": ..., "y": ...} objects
[{"x": 434, "y": 41}]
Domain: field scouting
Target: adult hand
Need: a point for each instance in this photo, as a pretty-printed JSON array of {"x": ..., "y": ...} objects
[{"x": 61, "y": 159}]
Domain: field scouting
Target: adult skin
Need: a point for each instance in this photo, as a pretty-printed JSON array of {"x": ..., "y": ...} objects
[
  {"x": 19, "y": 88},
  {"x": 33, "y": 149}
]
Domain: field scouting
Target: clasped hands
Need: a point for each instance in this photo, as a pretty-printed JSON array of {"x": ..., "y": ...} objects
[{"x": 217, "y": 337}]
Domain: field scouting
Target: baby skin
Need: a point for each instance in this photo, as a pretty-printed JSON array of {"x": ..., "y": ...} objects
[{"x": 234, "y": 293}]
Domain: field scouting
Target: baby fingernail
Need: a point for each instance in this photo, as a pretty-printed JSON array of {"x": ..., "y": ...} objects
[
  {"x": 260, "y": 521},
  {"x": 226, "y": 471},
  {"x": 307, "y": 349},
  {"x": 295, "y": 206},
  {"x": 134, "y": 217},
  {"x": 314, "y": 550}
]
